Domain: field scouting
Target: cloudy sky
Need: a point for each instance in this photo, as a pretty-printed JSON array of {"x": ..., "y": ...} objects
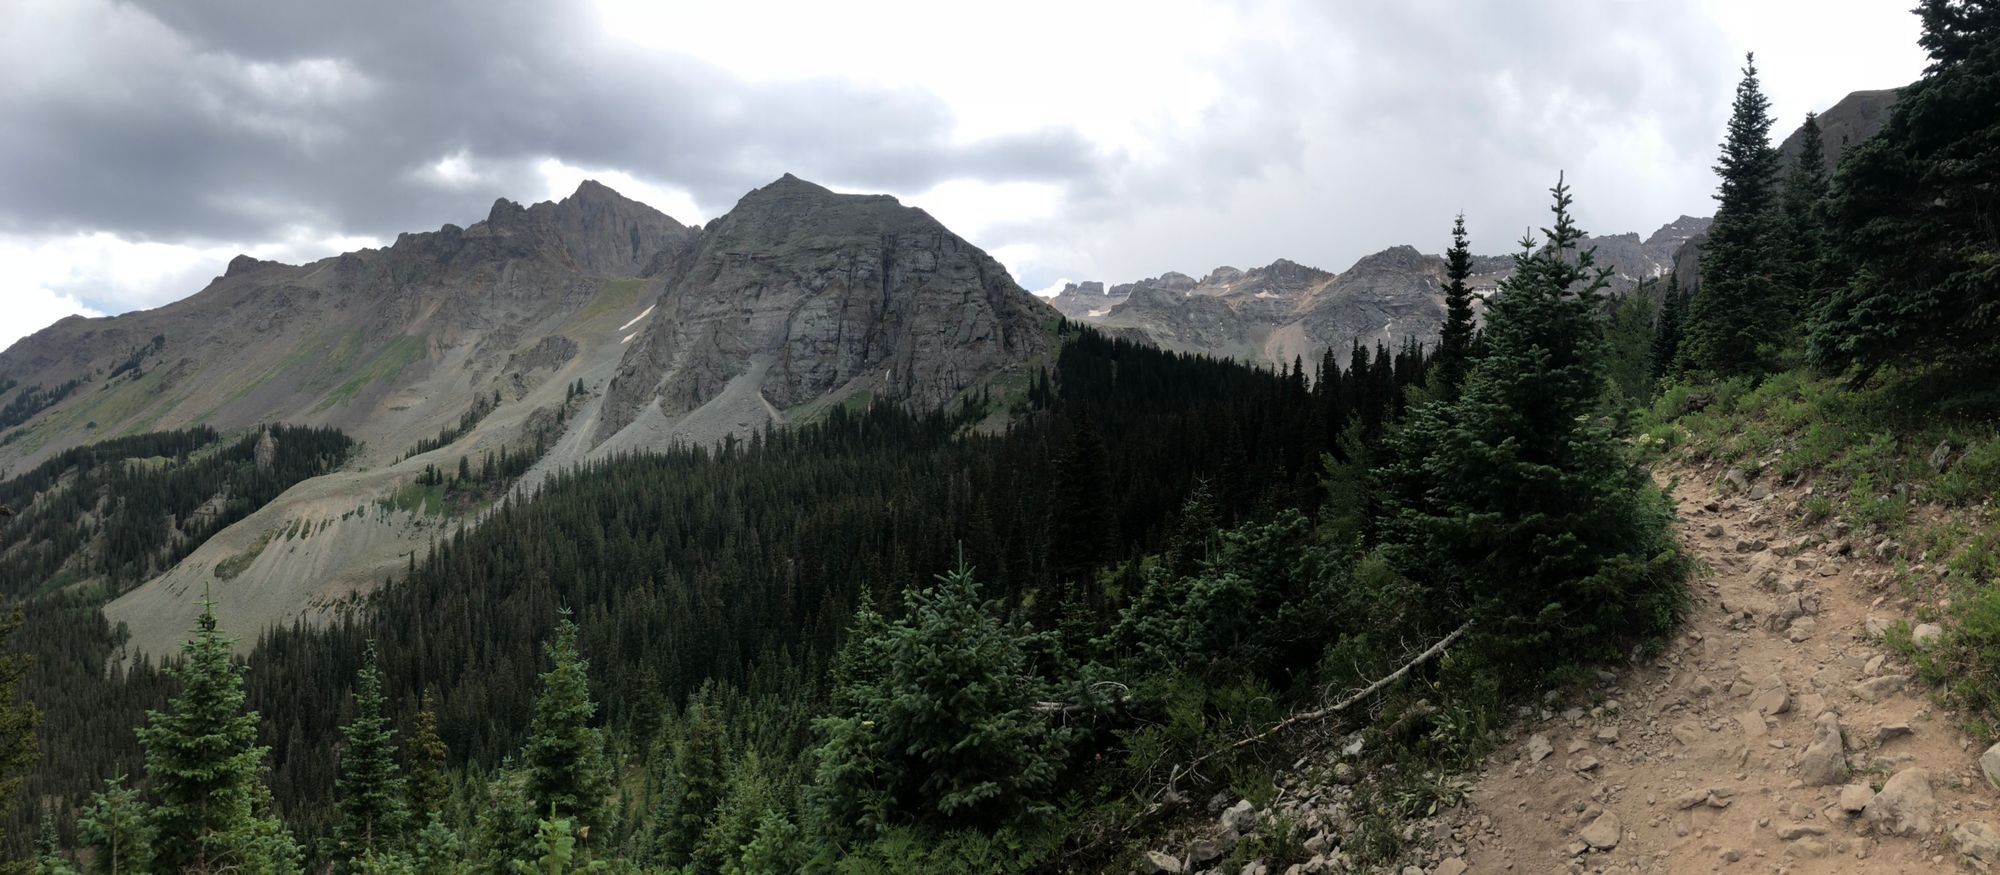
[{"x": 143, "y": 144}]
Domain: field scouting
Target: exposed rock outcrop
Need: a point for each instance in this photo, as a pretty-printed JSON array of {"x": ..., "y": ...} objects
[{"x": 799, "y": 293}]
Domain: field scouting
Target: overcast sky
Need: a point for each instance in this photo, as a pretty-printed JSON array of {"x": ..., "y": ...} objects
[{"x": 143, "y": 144}]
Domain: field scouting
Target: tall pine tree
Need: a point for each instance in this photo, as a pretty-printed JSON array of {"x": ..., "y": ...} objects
[
  {"x": 425, "y": 759},
  {"x": 1454, "y": 354},
  {"x": 1916, "y": 253},
  {"x": 1515, "y": 505},
  {"x": 1805, "y": 215},
  {"x": 115, "y": 830},
  {"x": 1741, "y": 307},
  {"x": 1667, "y": 330},
  {"x": 699, "y": 780},
  {"x": 203, "y": 766},
  {"x": 369, "y": 790},
  {"x": 564, "y": 759}
]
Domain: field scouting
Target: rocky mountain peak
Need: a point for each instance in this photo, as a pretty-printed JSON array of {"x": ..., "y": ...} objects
[
  {"x": 1395, "y": 258},
  {"x": 1221, "y": 275},
  {"x": 800, "y": 293},
  {"x": 242, "y": 264},
  {"x": 1678, "y": 231}
]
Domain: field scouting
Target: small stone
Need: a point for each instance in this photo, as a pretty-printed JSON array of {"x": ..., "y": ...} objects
[
  {"x": 1240, "y": 818},
  {"x": 1874, "y": 690},
  {"x": 1451, "y": 866},
  {"x": 1750, "y": 545},
  {"x": 1731, "y": 855},
  {"x": 1792, "y": 831},
  {"x": 1603, "y": 833},
  {"x": 1926, "y": 635},
  {"x": 1539, "y": 748},
  {"x": 1156, "y": 863},
  {"x": 1825, "y": 760},
  {"x": 1773, "y": 699},
  {"x": 1905, "y": 806},
  {"x": 1888, "y": 732},
  {"x": 1607, "y": 735},
  {"x": 1802, "y": 629},
  {"x": 1584, "y": 764},
  {"x": 1989, "y": 764},
  {"x": 1941, "y": 457},
  {"x": 1855, "y": 797},
  {"x": 1714, "y": 531},
  {"x": 1691, "y": 799},
  {"x": 1978, "y": 841},
  {"x": 1204, "y": 850}
]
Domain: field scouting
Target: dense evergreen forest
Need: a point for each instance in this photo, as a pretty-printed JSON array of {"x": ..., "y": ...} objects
[{"x": 887, "y": 641}]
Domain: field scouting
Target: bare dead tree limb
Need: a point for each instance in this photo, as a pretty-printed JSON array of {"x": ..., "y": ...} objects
[{"x": 1342, "y": 705}]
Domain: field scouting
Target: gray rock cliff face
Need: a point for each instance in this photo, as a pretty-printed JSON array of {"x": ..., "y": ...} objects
[
  {"x": 1854, "y": 119},
  {"x": 804, "y": 292},
  {"x": 1086, "y": 300}
]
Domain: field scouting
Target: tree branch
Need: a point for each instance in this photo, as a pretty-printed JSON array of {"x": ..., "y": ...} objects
[{"x": 1344, "y": 704}]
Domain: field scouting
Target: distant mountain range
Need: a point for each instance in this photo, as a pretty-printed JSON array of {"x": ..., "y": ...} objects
[{"x": 1284, "y": 310}]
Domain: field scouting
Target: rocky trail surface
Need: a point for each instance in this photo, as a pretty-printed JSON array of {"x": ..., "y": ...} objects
[{"x": 1774, "y": 733}]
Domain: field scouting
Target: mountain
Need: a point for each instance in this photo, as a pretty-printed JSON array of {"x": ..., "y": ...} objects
[
  {"x": 542, "y": 336},
  {"x": 799, "y": 295},
  {"x": 1854, "y": 119},
  {"x": 1285, "y": 310}
]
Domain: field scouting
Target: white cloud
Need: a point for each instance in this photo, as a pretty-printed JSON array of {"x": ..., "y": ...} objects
[
  {"x": 100, "y": 273},
  {"x": 1110, "y": 140},
  {"x": 30, "y": 309}
]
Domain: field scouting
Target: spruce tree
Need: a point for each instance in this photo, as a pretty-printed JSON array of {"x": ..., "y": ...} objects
[
  {"x": 1741, "y": 307},
  {"x": 369, "y": 790},
  {"x": 203, "y": 767},
  {"x": 1667, "y": 330},
  {"x": 425, "y": 759},
  {"x": 114, "y": 827},
  {"x": 48, "y": 854},
  {"x": 1515, "y": 505},
  {"x": 933, "y": 719},
  {"x": 19, "y": 749},
  {"x": 564, "y": 758},
  {"x": 1805, "y": 216},
  {"x": 775, "y": 847},
  {"x": 1454, "y": 354},
  {"x": 1914, "y": 276},
  {"x": 700, "y": 779},
  {"x": 736, "y": 816}
]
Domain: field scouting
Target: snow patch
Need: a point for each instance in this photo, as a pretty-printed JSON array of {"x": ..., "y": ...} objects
[
  {"x": 635, "y": 319},
  {"x": 628, "y": 337}
]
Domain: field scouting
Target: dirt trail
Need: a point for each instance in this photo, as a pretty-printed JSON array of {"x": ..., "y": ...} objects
[{"x": 1699, "y": 761}]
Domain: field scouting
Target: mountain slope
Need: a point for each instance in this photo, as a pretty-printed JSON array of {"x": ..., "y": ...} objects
[{"x": 545, "y": 334}]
